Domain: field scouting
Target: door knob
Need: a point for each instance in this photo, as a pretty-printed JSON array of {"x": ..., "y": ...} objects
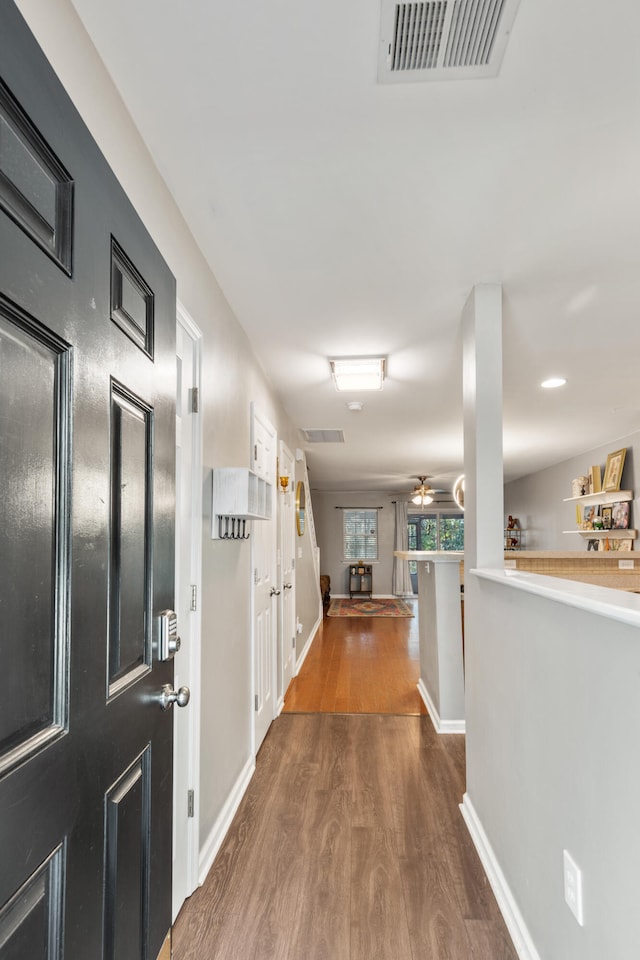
[
  {"x": 287, "y": 586},
  {"x": 274, "y": 592},
  {"x": 169, "y": 696}
]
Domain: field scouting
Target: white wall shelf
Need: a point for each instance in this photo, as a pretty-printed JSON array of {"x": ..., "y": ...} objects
[
  {"x": 239, "y": 495},
  {"x": 603, "y": 496},
  {"x": 617, "y": 534}
]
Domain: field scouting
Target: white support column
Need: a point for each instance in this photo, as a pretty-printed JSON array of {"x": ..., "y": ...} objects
[{"x": 482, "y": 408}]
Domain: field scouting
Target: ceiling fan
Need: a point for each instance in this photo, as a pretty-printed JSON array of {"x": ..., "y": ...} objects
[{"x": 422, "y": 493}]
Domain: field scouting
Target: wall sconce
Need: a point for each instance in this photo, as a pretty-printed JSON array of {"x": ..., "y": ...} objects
[{"x": 284, "y": 483}]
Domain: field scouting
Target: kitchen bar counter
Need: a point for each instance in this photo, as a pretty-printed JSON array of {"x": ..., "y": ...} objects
[{"x": 615, "y": 569}]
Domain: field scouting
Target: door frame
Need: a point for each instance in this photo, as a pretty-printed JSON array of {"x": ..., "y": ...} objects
[
  {"x": 191, "y": 716},
  {"x": 285, "y": 509},
  {"x": 257, "y": 414}
]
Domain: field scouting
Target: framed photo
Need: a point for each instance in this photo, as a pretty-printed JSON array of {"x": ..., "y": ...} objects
[
  {"x": 620, "y": 516},
  {"x": 595, "y": 480},
  {"x": 625, "y": 546},
  {"x": 613, "y": 470},
  {"x": 589, "y": 513},
  {"x": 606, "y": 514}
]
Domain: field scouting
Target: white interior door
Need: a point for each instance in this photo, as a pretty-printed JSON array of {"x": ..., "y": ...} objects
[
  {"x": 188, "y": 575},
  {"x": 287, "y": 570},
  {"x": 265, "y": 590}
]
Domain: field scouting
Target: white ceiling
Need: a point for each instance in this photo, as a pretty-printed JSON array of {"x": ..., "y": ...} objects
[{"x": 345, "y": 217}]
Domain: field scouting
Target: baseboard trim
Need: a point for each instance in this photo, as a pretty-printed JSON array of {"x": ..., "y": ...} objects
[
  {"x": 376, "y": 596},
  {"x": 522, "y": 942},
  {"x": 440, "y": 726},
  {"x": 220, "y": 828},
  {"x": 307, "y": 646}
]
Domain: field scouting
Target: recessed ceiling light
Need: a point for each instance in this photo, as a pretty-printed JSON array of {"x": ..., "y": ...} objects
[
  {"x": 553, "y": 382},
  {"x": 358, "y": 373}
]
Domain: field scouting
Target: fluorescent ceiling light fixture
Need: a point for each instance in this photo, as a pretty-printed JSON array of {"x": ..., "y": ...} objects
[
  {"x": 358, "y": 373},
  {"x": 553, "y": 382}
]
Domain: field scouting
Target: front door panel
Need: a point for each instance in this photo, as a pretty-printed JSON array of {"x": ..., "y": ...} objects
[
  {"x": 34, "y": 519},
  {"x": 87, "y": 388},
  {"x": 130, "y": 569}
]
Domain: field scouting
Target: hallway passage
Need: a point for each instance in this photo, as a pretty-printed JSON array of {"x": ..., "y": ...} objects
[
  {"x": 360, "y": 665},
  {"x": 348, "y": 845}
]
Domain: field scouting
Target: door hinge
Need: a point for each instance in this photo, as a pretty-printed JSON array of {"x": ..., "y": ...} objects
[
  {"x": 293, "y": 642},
  {"x": 256, "y": 703},
  {"x": 195, "y": 400},
  {"x": 194, "y": 596},
  {"x": 293, "y": 564},
  {"x": 255, "y": 452},
  {"x": 190, "y": 803}
]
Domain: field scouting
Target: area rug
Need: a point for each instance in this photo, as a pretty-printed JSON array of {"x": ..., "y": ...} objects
[{"x": 369, "y": 608}]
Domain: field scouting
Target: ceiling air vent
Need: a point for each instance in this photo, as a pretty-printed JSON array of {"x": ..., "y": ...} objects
[
  {"x": 324, "y": 436},
  {"x": 443, "y": 39}
]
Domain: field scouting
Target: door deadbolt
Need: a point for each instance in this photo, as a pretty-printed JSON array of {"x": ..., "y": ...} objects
[{"x": 168, "y": 639}]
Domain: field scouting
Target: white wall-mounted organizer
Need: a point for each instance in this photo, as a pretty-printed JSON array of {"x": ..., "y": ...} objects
[{"x": 239, "y": 496}]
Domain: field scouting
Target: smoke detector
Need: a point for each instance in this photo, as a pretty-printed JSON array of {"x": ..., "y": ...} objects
[{"x": 443, "y": 39}]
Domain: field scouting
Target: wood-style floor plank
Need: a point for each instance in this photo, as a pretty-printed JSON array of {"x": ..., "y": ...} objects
[
  {"x": 360, "y": 665},
  {"x": 379, "y": 928},
  {"x": 348, "y": 845},
  {"x": 436, "y": 927}
]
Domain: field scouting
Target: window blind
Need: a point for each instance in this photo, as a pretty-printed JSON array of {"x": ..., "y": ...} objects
[{"x": 360, "y": 530}]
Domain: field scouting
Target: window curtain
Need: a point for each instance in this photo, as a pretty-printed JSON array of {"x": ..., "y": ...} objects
[{"x": 401, "y": 577}]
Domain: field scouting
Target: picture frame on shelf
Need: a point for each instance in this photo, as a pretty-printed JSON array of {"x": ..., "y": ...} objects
[
  {"x": 613, "y": 470},
  {"x": 590, "y": 512},
  {"x": 606, "y": 515},
  {"x": 595, "y": 480},
  {"x": 625, "y": 546},
  {"x": 620, "y": 515}
]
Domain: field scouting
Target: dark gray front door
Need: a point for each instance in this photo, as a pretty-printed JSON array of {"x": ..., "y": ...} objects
[{"x": 87, "y": 386}]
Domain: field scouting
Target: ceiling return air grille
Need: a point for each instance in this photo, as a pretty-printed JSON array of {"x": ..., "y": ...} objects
[
  {"x": 443, "y": 39},
  {"x": 324, "y": 436}
]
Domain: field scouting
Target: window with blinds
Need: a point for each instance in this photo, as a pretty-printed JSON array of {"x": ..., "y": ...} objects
[{"x": 360, "y": 534}]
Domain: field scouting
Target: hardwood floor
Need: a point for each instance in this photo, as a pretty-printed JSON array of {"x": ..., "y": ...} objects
[
  {"x": 348, "y": 845},
  {"x": 360, "y": 665}
]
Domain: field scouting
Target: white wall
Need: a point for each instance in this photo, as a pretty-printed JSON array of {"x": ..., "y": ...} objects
[
  {"x": 553, "y": 713},
  {"x": 231, "y": 379},
  {"x": 537, "y": 499}
]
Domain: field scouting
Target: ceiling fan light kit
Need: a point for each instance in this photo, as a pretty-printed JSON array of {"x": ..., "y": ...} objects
[{"x": 422, "y": 494}]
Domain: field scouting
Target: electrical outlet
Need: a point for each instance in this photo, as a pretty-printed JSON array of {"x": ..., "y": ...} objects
[
  {"x": 625, "y": 564},
  {"x": 573, "y": 886}
]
